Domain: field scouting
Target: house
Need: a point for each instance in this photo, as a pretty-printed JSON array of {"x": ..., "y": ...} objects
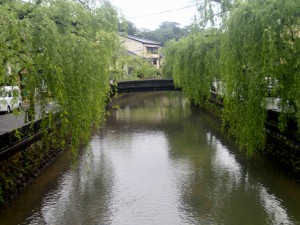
[{"x": 142, "y": 47}]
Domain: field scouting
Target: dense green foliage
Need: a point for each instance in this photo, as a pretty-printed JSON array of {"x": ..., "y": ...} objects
[
  {"x": 64, "y": 47},
  {"x": 165, "y": 32},
  {"x": 191, "y": 60},
  {"x": 140, "y": 68},
  {"x": 132, "y": 67},
  {"x": 257, "y": 39}
]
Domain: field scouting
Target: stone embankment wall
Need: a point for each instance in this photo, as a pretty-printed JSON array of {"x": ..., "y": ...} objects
[
  {"x": 17, "y": 171},
  {"x": 282, "y": 148},
  {"x": 283, "y": 153}
]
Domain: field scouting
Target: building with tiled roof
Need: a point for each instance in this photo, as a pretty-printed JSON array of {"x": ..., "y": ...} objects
[{"x": 143, "y": 47}]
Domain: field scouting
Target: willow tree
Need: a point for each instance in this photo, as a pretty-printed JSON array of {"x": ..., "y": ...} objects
[
  {"x": 65, "y": 47},
  {"x": 193, "y": 62},
  {"x": 259, "y": 40}
]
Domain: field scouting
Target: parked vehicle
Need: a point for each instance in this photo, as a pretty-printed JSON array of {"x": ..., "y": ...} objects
[{"x": 10, "y": 98}]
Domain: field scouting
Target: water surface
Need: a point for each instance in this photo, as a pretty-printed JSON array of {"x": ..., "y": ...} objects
[{"x": 158, "y": 161}]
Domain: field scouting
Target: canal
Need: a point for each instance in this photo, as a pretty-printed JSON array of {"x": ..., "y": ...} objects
[{"x": 158, "y": 161}]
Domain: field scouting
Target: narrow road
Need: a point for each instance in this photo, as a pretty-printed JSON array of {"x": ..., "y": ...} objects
[{"x": 9, "y": 122}]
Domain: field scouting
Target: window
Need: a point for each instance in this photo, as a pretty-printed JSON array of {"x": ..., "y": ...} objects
[{"x": 152, "y": 50}]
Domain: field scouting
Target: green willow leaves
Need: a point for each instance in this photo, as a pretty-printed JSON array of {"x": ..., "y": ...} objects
[
  {"x": 65, "y": 48},
  {"x": 192, "y": 60},
  {"x": 257, "y": 41}
]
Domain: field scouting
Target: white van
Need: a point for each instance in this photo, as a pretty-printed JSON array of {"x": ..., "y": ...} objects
[{"x": 10, "y": 98}]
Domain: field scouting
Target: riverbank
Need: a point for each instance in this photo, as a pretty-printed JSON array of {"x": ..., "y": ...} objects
[
  {"x": 19, "y": 170},
  {"x": 283, "y": 152}
]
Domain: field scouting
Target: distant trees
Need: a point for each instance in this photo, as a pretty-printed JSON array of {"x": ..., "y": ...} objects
[
  {"x": 126, "y": 26},
  {"x": 166, "y": 31}
]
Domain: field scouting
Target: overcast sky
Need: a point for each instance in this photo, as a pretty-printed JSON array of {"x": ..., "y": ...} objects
[{"x": 139, "y": 12}]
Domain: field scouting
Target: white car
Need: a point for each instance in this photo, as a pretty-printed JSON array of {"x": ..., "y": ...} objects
[{"x": 10, "y": 98}]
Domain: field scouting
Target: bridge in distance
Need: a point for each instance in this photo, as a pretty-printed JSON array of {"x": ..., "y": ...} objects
[{"x": 145, "y": 85}]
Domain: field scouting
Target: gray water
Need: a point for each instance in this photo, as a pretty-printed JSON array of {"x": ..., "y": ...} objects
[{"x": 158, "y": 161}]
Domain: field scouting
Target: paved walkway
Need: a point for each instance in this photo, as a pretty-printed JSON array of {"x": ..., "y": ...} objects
[{"x": 15, "y": 120}]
